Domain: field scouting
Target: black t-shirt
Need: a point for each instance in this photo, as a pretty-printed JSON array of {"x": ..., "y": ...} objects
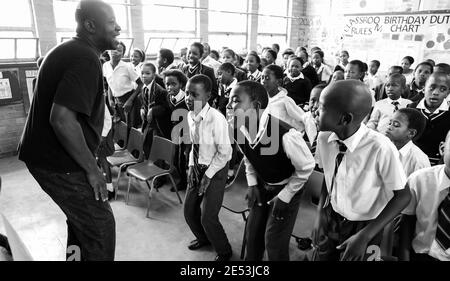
[{"x": 71, "y": 76}]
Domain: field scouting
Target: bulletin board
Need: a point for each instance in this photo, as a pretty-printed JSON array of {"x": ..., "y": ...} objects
[
  {"x": 9, "y": 86},
  {"x": 389, "y": 37}
]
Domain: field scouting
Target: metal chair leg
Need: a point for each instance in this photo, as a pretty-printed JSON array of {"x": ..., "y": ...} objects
[
  {"x": 244, "y": 238},
  {"x": 128, "y": 190},
  {"x": 176, "y": 189}
]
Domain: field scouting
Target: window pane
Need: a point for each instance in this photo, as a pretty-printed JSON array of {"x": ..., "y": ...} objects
[
  {"x": 269, "y": 7},
  {"x": 65, "y": 14},
  {"x": 228, "y": 5},
  {"x": 271, "y": 25},
  {"x": 236, "y": 42},
  {"x": 7, "y": 49},
  {"x": 15, "y": 13},
  {"x": 184, "y": 40},
  {"x": 26, "y": 48},
  {"x": 267, "y": 41},
  {"x": 16, "y": 34},
  {"x": 227, "y": 22},
  {"x": 168, "y": 18}
]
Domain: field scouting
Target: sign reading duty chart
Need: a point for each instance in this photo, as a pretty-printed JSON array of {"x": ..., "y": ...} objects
[{"x": 5, "y": 89}]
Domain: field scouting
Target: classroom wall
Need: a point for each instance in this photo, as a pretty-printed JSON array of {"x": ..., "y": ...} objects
[{"x": 386, "y": 30}]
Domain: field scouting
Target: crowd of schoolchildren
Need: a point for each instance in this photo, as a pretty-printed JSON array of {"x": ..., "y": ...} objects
[{"x": 381, "y": 142}]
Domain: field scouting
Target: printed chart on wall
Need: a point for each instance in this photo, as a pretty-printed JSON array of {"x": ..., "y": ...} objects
[{"x": 390, "y": 36}]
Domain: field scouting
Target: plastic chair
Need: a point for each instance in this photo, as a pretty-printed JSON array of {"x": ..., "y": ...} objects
[
  {"x": 131, "y": 155},
  {"x": 162, "y": 150},
  {"x": 238, "y": 189},
  {"x": 310, "y": 207},
  {"x": 120, "y": 135}
]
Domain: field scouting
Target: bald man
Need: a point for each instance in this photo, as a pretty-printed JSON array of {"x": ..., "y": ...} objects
[
  {"x": 63, "y": 132},
  {"x": 362, "y": 170}
]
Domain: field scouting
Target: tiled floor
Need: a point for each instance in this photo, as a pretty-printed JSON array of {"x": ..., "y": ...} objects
[{"x": 164, "y": 236}]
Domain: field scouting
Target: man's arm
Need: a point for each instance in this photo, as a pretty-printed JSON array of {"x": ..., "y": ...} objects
[{"x": 69, "y": 133}]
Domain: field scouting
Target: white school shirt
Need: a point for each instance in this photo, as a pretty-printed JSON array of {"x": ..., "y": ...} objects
[
  {"x": 324, "y": 72},
  {"x": 209, "y": 61},
  {"x": 107, "y": 122},
  {"x": 382, "y": 113},
  {"x": 413, "y": 158},
  {"x": 225, "y": 88},
  {"x": 441, "y": 109},
  {"x": 369, "y": 172},
  {"x": 284, "y": 108},
  {"x": 296, "y": 150},
  {"x": 215, "y": 145},
  {"x": 374, "y": 80},
  {"x": 428, "y": 188},
  {"x": 256, "y": 75},
  {"x": 121, "y": 78}
]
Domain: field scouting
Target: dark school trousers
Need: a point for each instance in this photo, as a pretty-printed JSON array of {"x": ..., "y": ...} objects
[
  {"x": 202, "y": 213},
  {"x": 264, "y": 232},
  {"x": 337, "y": 229},
  {"x": 91, "y": 226},
  {"x": 133, "y": 118}
]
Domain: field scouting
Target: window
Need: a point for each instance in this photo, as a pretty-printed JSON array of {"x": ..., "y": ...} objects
[
  {"x": 65, "y": 16},
  {"x": 227, "y": 22},
  {"x": 236, "y": 42},
  {"x": 162, "y": 17},
  {"x": 16, "y": 13},
  {"x": 270, "y": 24},
  {"x": 172, "y": 41},
  {"x": 268, "y": 40},
  {"x": 18, "y": 48}
]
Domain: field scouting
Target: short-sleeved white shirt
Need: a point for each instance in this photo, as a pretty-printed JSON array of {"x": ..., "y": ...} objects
[{"x": 121, "y": 78}]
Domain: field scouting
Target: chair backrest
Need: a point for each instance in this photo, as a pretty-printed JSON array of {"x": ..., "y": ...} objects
[
  {"x": 162, "y": 150},
  {"x": 19, "y": 250},
  {"x": 313, "y": 187},
  {"x": 120, "y": 134},
  {"x": 136, "y": 143}
]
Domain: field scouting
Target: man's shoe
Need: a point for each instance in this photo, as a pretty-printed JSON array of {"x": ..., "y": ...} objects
[
  {"x": 196, "y": 244},
  {"x": 222, "y": 258}
]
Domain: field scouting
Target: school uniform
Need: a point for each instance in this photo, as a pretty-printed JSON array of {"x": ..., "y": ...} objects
[
  {"x": 278, "y": 162},
  {"x": 429, "y": 193},
  {"x": 154, "y": 98},
  {"x": 284, "y": 108},
  {"x": 209, "y": 156},
  {"x": 437, "y": 126},
  {"x": 368, "y": 171},
  {"x": 240, "y": 74},
  {"x": 415, "y": 94},
  {"x": 298, "y": 88},
  {"x": 121, "y": 80},
  {"x": 169, "y": 67},
  {"x": 324, "y": 72},
  {"x": 311, "y": 74},
  {"x": 409, "y": 77},
  {"x": 179, "y": 133},
  {"x": 206, "y": 70},
  {"x": 382, "y": 113},
  {"x": 372, "y": 81},
  {"x": 255, "y": 76},
  {"x": 413, "y": 158},
  {"x": 209, "y": 61},
  {"x": 224, "y": 95}
]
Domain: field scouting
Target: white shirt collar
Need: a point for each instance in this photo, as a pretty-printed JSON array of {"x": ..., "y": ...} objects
[
  {"x": 301, "y": 76},
  {"x": 231, "y": 86},
  {"x": 405, "y": 149},
  {"x": 442, "y": 107},
  {"x": 201, "y": 115},
  {"x": 351, "y": 142},
  {"x": 255, "y": 74},
  {"x": 179, "y": 97}
]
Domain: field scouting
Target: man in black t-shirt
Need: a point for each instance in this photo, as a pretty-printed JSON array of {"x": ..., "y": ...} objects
[{"x": 63, "y": 132}]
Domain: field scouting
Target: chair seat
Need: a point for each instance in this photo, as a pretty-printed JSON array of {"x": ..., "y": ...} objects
[
  {"x": 145, "y": 171},
  {"x": 121, "y": 157},
  {"x": 118, "y": 147},
  {"x": 236, "y": 202},
  {"x": 306, "y": 218}
]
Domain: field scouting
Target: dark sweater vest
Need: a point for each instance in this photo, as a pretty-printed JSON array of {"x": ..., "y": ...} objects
[
  {"x": 435, "y": 131},
  {"x": 269, "y": 168}
]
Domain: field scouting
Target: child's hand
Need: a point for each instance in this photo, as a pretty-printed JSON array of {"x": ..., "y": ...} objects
[
  {"x": 142, "y": 114},
  {"x": 354, "y": 247},
  {"x": 280, "y": 208},
  {"x": 190, "y": 178},
  {"x": 252, "y": 195},
  {"x": 150, "y": 116},
  {"x": 204, "y": 185}
]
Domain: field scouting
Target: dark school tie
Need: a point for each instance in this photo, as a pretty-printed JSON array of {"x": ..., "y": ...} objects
[
  {"x": 339, "y": 157},
  {"x": 395, "y": 104},
  {"x": 443, "y": 227},
  {"x": 196, "y": 151}
]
